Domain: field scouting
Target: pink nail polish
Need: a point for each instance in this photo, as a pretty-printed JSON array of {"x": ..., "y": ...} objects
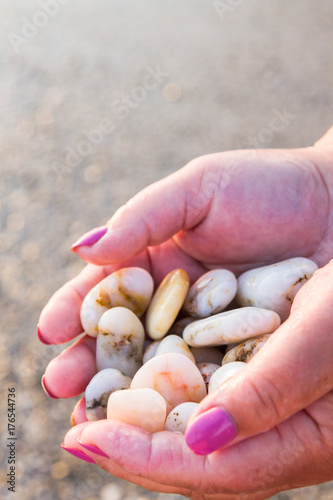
[
  {"x": 78, "y": 454},
  {"x": 93, "y": 448},
  {"x": 47, "y": 391},
  {"x": 210, "y": 431},
  {"x": 40, "y": 336},
  {"x": 90, "y": 238}
]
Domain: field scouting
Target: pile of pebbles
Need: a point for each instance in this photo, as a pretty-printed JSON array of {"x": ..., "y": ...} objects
[{"x": 157, "y": 383}]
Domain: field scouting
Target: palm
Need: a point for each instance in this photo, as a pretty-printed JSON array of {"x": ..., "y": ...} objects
[{"x": 274, "y": 205}]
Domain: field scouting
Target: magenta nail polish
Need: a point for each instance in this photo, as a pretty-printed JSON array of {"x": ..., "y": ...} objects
[
  {"x": 94, "y": 449},
  {"x": 78, "y": 454},
  {"x": 47, "y": 391},
  {"x": 90, "y": 238},
  {"x": 210, "y": 431},
  {"x": 40, "y": 336}
]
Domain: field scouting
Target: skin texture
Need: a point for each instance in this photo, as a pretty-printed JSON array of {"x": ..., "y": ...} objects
[{"x": 235, "y": 210}]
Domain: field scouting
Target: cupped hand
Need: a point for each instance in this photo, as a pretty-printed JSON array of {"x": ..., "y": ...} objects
[{"x": 233, "y": 210}]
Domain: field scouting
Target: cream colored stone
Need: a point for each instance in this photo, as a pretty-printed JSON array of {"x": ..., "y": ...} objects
[
  {"x": 211, "y": 293},
  {"x": 99, "y": 389},
  {"x": 130, "y": 287},
  {"x": 224, "y": 373},
  {"x": 166, "y": 303},
  {"x": 246, "y": 350},
  {"x": 173, "y": 343},
  {"x": 178, "y": 417},
  {"x": 231, "y": 326},
  {"x": 174, "y": 376},
  {"x": 142, "y": 407},
  {"x": 274, "y": 287},
  {"x": 120, "y": 341}
]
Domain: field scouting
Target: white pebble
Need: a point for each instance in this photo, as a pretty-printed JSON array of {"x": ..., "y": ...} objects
[
  {"x": 231, "y": 326},
  {"x": 274, "y": 287},
  {"x": 120, "y": 341},
  {"x": 211, "y": 293},
  {"x": 224, "y": 373},
  {"x": 178, "y": 417}
]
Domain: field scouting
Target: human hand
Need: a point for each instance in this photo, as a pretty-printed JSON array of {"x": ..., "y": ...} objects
[{"x": 235, "y": 210}]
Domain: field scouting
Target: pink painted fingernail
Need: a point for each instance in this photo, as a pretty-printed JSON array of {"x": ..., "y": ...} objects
[
  {"x": 210, "y": 431},
  {"x": 40, "y": 336},
  {"x": 78, "y": 454},
  {"x": 90, "y": 238},
  {"x": 47, "y": 391},
  {"x": 94, "y": 449}
]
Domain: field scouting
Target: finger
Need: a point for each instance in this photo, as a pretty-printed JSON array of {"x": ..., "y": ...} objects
[
  {"x": 71, "y": 442},
  {"x": 60, "y": 319},
  {"x": 282, "y": 458},
  {"x": 79, "y": 413},
  {"x": 284, "y": 377},
  {"x": 153, "y": 216},
  {"x": 68, "y": 374},
  {"x": 121, "y": 435}
]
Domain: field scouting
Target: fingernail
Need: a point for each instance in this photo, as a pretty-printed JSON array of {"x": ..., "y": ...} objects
[
  {"x": 210, "y": 431},
  {"x": 73, "y": 423},
  {"x": 94, "y": 449},
  {"x": 78, "y": 454},
  {"x": 40, "y": 336},
  {"x": 48, "y": 392},
  {"x": 90, "y": 238}
]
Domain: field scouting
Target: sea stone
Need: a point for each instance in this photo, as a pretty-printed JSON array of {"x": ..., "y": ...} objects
[
  {"x": 143, "y": 407},
  {"x": 166, "y": 303},
  {"x": 211, "y": 293},
  {"x": 120, "y": 341},
  {"x": 231, "y": 326},
  {"x": 130, "y": 287},
  {"x": 246, "y": 350},
  {"x": 178, "y": 417},
  {"x": 174, "y": 376},
  {"x": 274, "y": 287}
]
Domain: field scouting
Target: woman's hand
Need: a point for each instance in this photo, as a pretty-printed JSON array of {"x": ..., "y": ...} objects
[{"x": 235, "y": 210}]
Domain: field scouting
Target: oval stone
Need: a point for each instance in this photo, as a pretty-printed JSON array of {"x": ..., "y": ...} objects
[
  {"x": 120, "y": 341},
  {"x": 130, "y": 287},
  {"x": 174, "y": 376},
  {"x": 246, "y": 350},
  {"x": 274, "y": 287},
  {"x": 144, "y": 408},
  {"x": 224, "y": 373},
  {"x": 166, "y": 303},
  {"x": 173, "y": 343},
  {"x": 231, "y": 326},
  {"x": 211, "y": 293},
  {"x": 178, "y": 417},
  {"x": 99, "y": 389}
]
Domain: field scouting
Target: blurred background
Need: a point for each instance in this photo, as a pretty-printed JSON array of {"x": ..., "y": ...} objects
[{"x": 99, "y": 99}]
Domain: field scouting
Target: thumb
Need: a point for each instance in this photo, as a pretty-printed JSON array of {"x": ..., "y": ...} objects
[
  {"x": 153, "y": 216},
  {"x": 291, "y": 371}
]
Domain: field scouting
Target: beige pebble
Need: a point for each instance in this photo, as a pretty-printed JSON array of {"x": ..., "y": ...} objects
[
  {"x": 166, "y": 303},
  {"x": 174, "y": 376},
  {"x": 142, "y": 407}
]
